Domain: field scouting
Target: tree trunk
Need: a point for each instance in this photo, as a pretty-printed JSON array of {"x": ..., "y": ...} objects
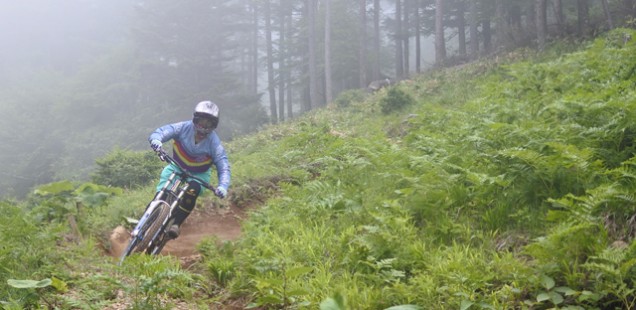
[
  {"x": 311, "y": 37},
  {"x": 541, "y": 23},
  {"x": 515, "y": 23},
  {"x": 406, "y": 37},
  {"x": 282, "y": 66},
  {"x": 461, "y": 31},
  {"x": 531, "y": 18},
  {"x": 501, "y": 35},
  {"x": 288, "y": 72},
  {"x": 328, "y": 82},
  {"x": 629, "y": 7},
  {"x": 487, "y": 35},
  {"x": 474, "y": 34},
  {"x": 608, "y": 14},
  {"x": 362, "y": 53},
  {"x": 583, "y": 16},
  {"x": 560, "y": 17},
  {"x": 440, "y": 41},
  {"x": 254, "y": 48},
  {"x": 376, "y": 40},
  {"x": 271, "y": 83},
  {"x": 399, "y": 61},
  {"x": 418, "y": 39}
]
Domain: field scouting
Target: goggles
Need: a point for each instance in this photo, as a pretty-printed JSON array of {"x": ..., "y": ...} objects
[
  {"x": 204, "y": 125},
  {"x": 203, "y": 128}
]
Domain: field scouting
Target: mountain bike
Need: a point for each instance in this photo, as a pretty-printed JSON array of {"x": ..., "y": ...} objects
[{"x": 150, "y": 234}]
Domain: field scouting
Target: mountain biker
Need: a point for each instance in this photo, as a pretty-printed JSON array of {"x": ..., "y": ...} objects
[{"x": 196, "y": 147}]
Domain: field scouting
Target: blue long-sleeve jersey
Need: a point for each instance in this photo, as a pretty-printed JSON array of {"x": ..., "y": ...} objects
[{"x": 195, "y": 157}]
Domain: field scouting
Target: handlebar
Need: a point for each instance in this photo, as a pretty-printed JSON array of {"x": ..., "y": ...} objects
[{"x": 165, "y": 157}]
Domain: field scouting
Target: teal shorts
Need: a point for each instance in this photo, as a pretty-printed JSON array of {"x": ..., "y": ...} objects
[{"x": 169, "y": 169}]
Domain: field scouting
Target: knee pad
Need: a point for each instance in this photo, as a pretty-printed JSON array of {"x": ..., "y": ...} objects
[{"x": 190, "y": 196}]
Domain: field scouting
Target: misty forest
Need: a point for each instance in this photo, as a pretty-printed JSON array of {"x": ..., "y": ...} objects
[{"x": 385, "y": 154}]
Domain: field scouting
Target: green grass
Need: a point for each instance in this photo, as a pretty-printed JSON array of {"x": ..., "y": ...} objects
[{"x": 502, "y": 184}]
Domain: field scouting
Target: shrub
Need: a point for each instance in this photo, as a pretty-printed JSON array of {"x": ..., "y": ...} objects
[
  {"x": 395, "y": 100},
  {"x": 345, "y": 98},
  {"x": 127, "y": 169}
]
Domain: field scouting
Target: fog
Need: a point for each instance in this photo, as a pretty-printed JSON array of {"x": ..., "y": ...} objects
[
  {"x": 42, "y": 45},
  {"x": 81, "y": 78},
  {"x": 58, "y": 35}
]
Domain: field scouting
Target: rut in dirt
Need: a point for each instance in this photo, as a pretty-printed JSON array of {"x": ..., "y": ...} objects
[
  {"x": 222, "y": 223},
  {"x": 210, "y": 219}
]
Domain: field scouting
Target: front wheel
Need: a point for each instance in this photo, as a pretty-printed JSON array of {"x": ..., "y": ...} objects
[
  {"x": 160, "y": 241},
  {"x": 157, "y": 212}
]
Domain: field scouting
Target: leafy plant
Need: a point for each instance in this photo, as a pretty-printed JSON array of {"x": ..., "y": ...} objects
[
  {"x": 40, "y": 287},
  {"x": 555, "y": 296},
  {"x": 614, "y": 270},
  {"x": 395, "y": 100},
  {"x": 26, "y": 251},
  {"x": 280, "y": 289},
  {"x": 345, "y": 98},
  {"x": 336, "y": 302},
  {"x": 61, "y": 202},
  {"x": 150, "y": 277},
  {"x": 127, "y": 169}
]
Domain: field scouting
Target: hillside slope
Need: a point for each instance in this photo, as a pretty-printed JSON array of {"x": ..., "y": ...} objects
[{"x": 505, "y": 184}]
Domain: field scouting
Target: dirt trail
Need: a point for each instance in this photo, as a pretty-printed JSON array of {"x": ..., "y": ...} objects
[{"x": 205, "y": 221}]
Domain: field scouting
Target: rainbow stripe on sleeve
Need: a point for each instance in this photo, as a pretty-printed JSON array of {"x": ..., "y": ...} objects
[{"x": 193, "y": 164}]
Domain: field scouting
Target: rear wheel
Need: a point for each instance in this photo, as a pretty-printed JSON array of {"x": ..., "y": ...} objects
[{"x": 148, "y": 230}]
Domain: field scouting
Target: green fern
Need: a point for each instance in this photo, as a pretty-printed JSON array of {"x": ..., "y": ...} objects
[{"x": 613, "y": 270}]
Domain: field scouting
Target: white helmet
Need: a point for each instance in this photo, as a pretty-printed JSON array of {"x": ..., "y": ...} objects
[{"x": 207, "y": 111}]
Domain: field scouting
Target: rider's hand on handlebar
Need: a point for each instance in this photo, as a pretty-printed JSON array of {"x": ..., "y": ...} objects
[
  {"x": 220, "y": 192},
  {"x": 155, "y": 145}
]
